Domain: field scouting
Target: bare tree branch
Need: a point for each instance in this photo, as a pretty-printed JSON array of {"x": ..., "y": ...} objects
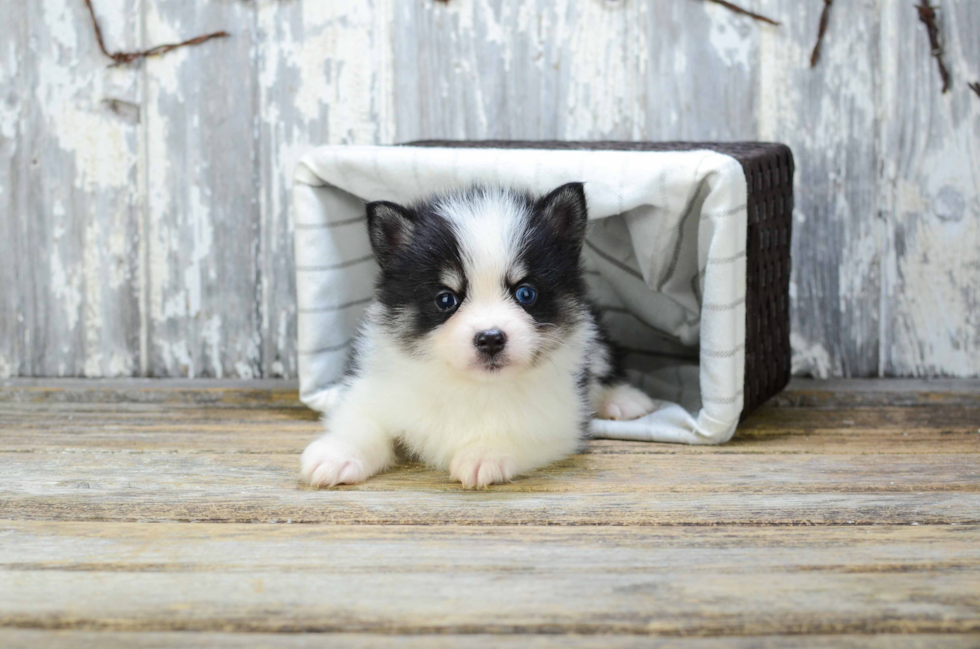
[
  {"x": 743, "y": 12},
  {"x": 927, "y": 15},
  {"x": 824, "y": 21},
  {"x": 121, "y": 58}
]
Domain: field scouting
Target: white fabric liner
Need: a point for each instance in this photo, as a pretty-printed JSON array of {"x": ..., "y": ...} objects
[{"x": 665, "y": 256}]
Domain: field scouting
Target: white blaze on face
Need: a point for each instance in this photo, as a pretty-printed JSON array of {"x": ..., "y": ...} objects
[{"x": 489, "y": 228}]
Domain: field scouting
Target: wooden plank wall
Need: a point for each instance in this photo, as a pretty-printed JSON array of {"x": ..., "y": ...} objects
[{"x": 146, "y": 226}]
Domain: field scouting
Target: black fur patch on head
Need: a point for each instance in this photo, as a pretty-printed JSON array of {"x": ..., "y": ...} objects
[
  {"x": 566, "y": 212},
  {"x": 551, "y": 253},
  {"x": 390, "y": 227},
  {"x": 412, "y": 269}
]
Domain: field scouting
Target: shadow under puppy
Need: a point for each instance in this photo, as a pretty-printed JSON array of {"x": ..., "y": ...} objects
[{"x": 481, "y": 353}]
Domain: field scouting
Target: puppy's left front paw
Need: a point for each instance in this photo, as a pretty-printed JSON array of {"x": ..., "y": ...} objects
[
  {"x": 623, "y": 402},
  {"x": 479, "y": 469}
]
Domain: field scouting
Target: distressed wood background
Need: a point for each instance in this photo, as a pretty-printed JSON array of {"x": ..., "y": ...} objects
[{"x": 146, "y": 227}]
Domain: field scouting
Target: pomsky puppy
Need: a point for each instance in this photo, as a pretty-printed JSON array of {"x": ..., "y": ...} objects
[{"x": 481, "y": 353}]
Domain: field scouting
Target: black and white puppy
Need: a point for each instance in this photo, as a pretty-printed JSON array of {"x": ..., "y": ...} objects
[{"x": 481, "y": 353}]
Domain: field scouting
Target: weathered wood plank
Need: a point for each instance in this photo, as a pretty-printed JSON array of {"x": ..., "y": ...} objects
[
  {"x": 828, "y": 116},
  {"x": 31, "y": 639},
  {"x": 849, "y": 393},
  {"x": 505, "y": 69},
  {"x": 808, "y": 393},
  {"x": 228, "y": 421},
  {"x": 656, "y": 604},
  {"x": 206, "y": 547},
  {"x": 313, "y": 578},
  {"x": 286, "y": 435},
  {"x": 324, "y": 78},
  {"x": 689, "y": 43},
  {"x": 930, "y": 152},
  {"x": 591, "y": 489},
  {"x": 70, "y": 158},
  {"x": 173, "y": 392},
  {"x": 592, "y": 580},
  {"x": 80, "y": 473},
  {"x": 203, "y": 285},
  {"x": 584, "y": 70},
  {"x": 14, "y": 139},
  {"x": 861, "y": 420}
]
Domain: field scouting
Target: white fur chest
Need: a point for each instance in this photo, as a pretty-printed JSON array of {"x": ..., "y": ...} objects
[{"x": 436, "y": 413}]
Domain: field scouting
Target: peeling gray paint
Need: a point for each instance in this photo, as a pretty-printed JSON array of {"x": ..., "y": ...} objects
[{"x": 146, "y": 225}]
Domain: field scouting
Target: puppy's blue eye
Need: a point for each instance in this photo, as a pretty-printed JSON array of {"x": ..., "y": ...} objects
[
  {"x": 526, "y": 295},
  {"x": 447, "y": 301}
]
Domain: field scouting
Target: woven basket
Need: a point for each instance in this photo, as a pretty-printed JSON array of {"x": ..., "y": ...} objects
[{"x": 769, "y": 175}]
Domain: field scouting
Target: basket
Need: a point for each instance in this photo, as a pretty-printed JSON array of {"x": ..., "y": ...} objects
[{"x": 333, "y": 183}]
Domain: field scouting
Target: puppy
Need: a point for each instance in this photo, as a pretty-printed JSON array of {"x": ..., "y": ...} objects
[{"x": 481, "y": 353}]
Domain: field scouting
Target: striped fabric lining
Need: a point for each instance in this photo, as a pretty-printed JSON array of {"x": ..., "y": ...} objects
[
  {"x": 635, "y": 316},
  {"x": 678, "y": 243},
  {"x": 722, "y": 353},
  {"x": 696, "y": 289},
  {"x": 332, "y": 224},
  {"x": 732, "y": 211},
  {"x": 334, "y": 307},
  {"x": 726, "y": 260},
  {"x": 659, "y": 354},
  {"x": 612, "y": 260},
  {"x": 337, "y": 266},
  {"x": 325, "y": 350},
  {"x": 723, "y": 400},
  {"x": 723, "y": 307}
]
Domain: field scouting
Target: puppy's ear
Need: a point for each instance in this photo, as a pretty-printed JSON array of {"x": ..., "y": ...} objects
[
  {"x": 565, "y": 211},
  {"x": 390, "y": 227}
]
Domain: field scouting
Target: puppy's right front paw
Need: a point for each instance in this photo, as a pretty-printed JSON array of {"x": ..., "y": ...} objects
[
  {"x": 328, "y": 463},
  {"x": 477, "y": 469}
]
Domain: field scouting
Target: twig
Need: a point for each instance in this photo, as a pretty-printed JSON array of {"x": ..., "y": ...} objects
[
  {"x": 824, "y": 21},
  {"x": 927, "y": 15},
  {"x": 744, "y": 12},
  {"x": 975, "y": 87},
  {"x": 121, "y": 58}
]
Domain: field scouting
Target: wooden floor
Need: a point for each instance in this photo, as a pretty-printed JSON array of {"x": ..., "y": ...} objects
[{"x": 169, "y": 514}]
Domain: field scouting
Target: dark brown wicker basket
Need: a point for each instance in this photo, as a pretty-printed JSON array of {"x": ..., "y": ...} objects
[{"x": 769, "y": 174}]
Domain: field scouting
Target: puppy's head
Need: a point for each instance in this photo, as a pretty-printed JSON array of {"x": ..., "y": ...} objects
[{"x": 485, "y": 281}]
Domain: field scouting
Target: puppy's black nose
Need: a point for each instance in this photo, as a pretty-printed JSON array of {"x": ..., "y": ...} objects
[{"x": 490, "y": 342}]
